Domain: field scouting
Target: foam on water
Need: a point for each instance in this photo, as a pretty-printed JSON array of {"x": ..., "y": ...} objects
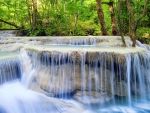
[{"x": 15, "y": 98}]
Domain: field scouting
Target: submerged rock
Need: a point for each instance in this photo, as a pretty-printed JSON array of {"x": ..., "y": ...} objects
[{"x": 92, "y": 97}]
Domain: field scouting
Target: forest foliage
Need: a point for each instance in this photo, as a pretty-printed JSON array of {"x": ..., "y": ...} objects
[{"x": 70, "y": 17}]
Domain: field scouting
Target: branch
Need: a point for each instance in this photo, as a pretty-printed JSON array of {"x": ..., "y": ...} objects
[
  {"x": 142, "y": 15},
  {"x": 9, "y": 23}
]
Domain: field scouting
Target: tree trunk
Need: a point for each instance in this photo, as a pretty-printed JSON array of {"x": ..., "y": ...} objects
[
  {"x": 113, "y": 20},
  {"x": 120, "y": 25},
  {"x": 34, "y": 15},
  {"x": 101, "y": 17},
  {"x": 132, "y": 25},
  {"x": 29, "y": 14},
  {"x": 76, "y": 21},
  {"x": 124, "y": 19},
  {"x": 112, "y": 15}
]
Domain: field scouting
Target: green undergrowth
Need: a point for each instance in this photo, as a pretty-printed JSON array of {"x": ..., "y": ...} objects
[{"x": 143, "y": 34}]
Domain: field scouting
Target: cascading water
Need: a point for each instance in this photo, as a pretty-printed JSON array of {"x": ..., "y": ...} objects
[
  {"x": 9, "y": 70},
  {"x": 4, "y": 34},
  {"x": 17, "y": 98},
  {"x": 94, "y": 78},
  {"x": 101, "y": 81},
  {"x": 76, "y": 42}
]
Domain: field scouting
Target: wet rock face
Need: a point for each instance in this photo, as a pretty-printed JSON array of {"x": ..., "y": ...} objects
[
  {"x": 120, "y": 88},
  {"x": 62, "y": 73},
  {"x": 69, "y": 78},
  {"x": 60, "y": 79},
  {"x": 56, "y": 80}
]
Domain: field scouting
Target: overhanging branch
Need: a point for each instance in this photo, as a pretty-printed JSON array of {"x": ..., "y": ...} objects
[
  {"x": 142, "y": 15},
  {"x": 9, "y": 23}
]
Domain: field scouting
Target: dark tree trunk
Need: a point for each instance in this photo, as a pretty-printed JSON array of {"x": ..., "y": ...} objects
[
  {"x": 112, "y": 15},
  {"x": 132, "y": 24},
  {"x": 120, "y": 25},
  {"x": 113, "y": 20},
  {"x": 101, "y": 17},
  {"x": 124, "y": 19}
]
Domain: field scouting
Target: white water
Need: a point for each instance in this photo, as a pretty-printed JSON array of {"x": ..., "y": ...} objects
[
  {"x": 15, "y": 97},
  {"x": 4, "y": 34}
]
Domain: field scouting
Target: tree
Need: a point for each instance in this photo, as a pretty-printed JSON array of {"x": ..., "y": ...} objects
[
  {"x": 34, "y": 15},
  {"x": 101, "y": 17},
  {"x": 70, "y": 17},
  {"x": 120, "y": 24},
  {"x": 142, "y": 15},
  {"x": 112, "y": 15},
  {"x": 133, "y": 24}
]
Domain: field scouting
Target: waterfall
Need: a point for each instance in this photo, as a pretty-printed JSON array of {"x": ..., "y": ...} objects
[
  {"x": 17, "y": 98},
  {"x": 8, "y": 33},
  {"x": 98, "y": 76},
  {"x": 128, "y": 74},
  {"x": 10, "y": 70},
  {"x": 75, "y": 75},
  {"x": 88, "y": 41},
  {"x": 27, "y": 70}
]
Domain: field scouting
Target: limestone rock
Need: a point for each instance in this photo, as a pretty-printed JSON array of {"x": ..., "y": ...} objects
[{"x": 58, "y": 80}]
